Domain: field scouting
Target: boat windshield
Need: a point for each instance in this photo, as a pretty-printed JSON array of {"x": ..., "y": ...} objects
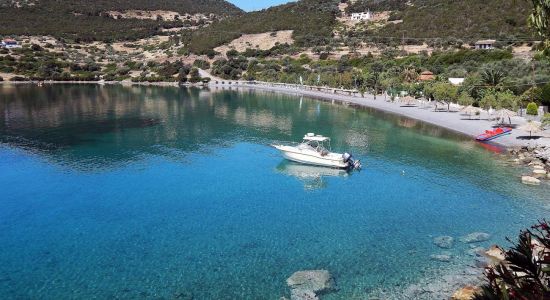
[{"x": 318, "y": 146}]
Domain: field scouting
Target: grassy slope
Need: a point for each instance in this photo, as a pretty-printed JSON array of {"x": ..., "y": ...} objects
[
  {"x": 78, "y": 19},
  {"x": 464, "y": 19},
  {"x": 311, "y": 20}
]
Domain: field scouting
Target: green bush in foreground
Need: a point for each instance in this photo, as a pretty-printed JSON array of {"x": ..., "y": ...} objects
[
  {"x": 532, "y": 109},
  {"x": 525, "y": 274}
]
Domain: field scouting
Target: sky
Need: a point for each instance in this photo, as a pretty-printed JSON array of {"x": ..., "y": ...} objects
[{"x": 250, "y": 5}]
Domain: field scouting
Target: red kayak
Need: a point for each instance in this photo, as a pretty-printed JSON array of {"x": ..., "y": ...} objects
[{"x": 493, "y": 134}]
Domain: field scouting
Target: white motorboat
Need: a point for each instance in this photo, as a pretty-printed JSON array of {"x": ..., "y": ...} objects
[{"x": 315, "y": 150}]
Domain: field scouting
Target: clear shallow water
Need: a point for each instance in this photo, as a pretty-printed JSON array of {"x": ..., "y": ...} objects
[{"x": 157, "y": 192}]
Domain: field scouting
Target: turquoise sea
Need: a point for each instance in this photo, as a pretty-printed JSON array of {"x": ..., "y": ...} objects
[{"x": 112, "y": 192}]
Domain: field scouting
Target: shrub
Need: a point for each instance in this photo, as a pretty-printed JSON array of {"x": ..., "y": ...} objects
[
  {"x": 195, "y": 77},
  {"x": 201, "y": 64},
  {"x": 18, "y": 78},
  {"x": 546, "y": 119},
  {"x": 545, "y": 94},
  {"x": 36, "y": 47},
  {"x": 525, "y": 273},
  {"x": 211, "y": 53},
  {"x": 532, "y": 109}
]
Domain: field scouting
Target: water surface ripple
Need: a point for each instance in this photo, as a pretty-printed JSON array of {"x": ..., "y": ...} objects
[{"x": 161, "y": 192}]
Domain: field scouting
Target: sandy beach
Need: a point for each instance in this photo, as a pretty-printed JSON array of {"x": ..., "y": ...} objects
[{"x": 455, "y": 121}]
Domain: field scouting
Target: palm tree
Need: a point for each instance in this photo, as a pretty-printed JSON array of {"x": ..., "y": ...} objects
[{"x": 492, "y": 77}]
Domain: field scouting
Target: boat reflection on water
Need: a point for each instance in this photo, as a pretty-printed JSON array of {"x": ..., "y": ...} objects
[{"x": 311, "y": 176}]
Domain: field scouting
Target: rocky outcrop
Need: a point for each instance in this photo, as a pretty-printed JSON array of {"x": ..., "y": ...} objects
[
  {"x": 445, "y": 241},
  {"x": 529, "y": 180},
  {"x": 538, "y": 158},
  {"x": 475, "y": 237},
  {"x": 495, "y": 254},
  {"x": 307, "y": 285},
  {"x": 466, "y": 293}
]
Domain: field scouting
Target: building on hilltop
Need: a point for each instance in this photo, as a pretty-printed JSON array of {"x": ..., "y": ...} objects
[
  {"x": 485, "y": 44},
  {"x": 362, "y": 16},
  {"x": 9, "y": 44}
]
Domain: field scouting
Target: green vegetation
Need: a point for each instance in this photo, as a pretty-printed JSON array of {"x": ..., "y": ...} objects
[
  {"x": 540, "y": 21},
  {"x": 467, "y": 20},
  {"x": 532, "y": 109},
  {"x": 311, "y": 20},
  {"x": 492, "y": 78},
  {"x": 525, "y": 273},
  {"x": 80, "y": 21},
  {"x": 546, "y": 120}
]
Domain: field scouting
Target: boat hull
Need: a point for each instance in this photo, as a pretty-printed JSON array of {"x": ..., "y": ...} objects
[
  {"x": 493, "y": 135},
  {"x": 313, "y": 159}
]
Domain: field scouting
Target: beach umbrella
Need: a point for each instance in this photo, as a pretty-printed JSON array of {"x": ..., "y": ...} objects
[
  {"x": 455, "y": 106},
  {"x": 532, "y": 127},
  {"x": 408, "y": 100},
  {"x": 504, "y": 113},
  {"x": 471, "y": 110}
]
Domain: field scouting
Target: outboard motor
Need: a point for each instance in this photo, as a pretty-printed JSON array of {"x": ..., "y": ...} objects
[{"x": 352, "y": 164}]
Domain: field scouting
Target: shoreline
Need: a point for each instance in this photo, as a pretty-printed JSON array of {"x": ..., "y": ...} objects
[{"x": 453, "y": 121}]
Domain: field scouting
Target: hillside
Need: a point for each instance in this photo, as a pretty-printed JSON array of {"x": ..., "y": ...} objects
[
  {"x": 77, "y": 19},
  {"x": 466, "y": 19},
  {"x": 311, "y": 20}
]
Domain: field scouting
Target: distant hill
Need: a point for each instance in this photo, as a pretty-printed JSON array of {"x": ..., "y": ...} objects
[
  {"x": 311, "y": 20},
  {"x": 461, "y": 19},
  {"x": 88, "y": 20},
  {"x": 432, "y": 21}
]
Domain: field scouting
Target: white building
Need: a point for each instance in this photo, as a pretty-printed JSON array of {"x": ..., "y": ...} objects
[
  {"x": 456, "y": 81},
  {"x": 485, "y": 44},
  {"x": 9, "y": 44},
  {"x": 361, "y": 16}
]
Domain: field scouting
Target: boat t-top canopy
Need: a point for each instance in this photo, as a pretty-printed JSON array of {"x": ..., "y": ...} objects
[{"x": 317, "y": 138}]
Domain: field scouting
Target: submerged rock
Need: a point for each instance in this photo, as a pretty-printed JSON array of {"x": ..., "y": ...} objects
[
  {"x": 476, "y": 251},
  {"x": 466, "y": 293},
  {"x": 298, "y": 294},
  {"x": 443, "y": 257},
  {"x": 445, "y": 241},
  {"x": 529, "y": 180},
  {"x": 475, "y": 237},
  {"x": 306, "y": 285}
]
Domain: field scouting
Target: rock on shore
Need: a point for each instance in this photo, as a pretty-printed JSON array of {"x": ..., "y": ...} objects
[
  {"x": 466, "y": 293},
  {"x": 529, "y": 180}
]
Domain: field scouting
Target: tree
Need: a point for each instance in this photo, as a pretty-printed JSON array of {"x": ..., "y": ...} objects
[
  {"x": 507, "y": 100},
  {"x": 446, "y": 93},
  {"x": 488, "y": 100},
  {"x": 465, "y": 99},
  {"x": 534, "y": 94},
  {"x": 492, "y": 77},
  {"x": 545, "y": 95}
]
